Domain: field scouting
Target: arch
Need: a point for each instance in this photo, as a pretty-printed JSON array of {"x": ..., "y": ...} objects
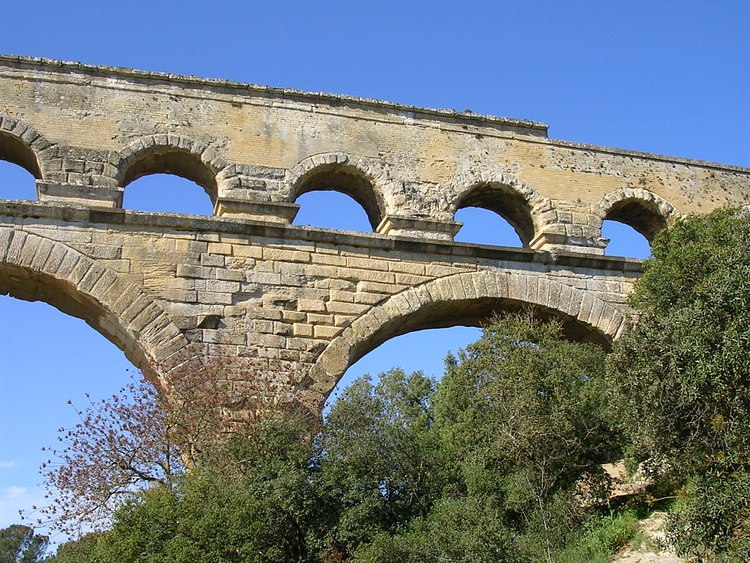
[
  {"x": 16, "y": 182},
  {"x": 624, "y": 241},
  {"x": 160, "y": 193},
  {"x": 483, "y": 226},
  {"x": 511, "y": 198},
  {"x": 34, "y": 268},
  {"x": 23, "y": 145},
  {"x": 342, "y": 173},
  {"x": 640, "y": 209},
  {"x": 171, "y": 154},
  {"x": 469, "y": 299},
  {"x": 349, "y": 215}
]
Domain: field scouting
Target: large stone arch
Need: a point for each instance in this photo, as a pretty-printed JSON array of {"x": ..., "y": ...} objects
[
  {"x": 643, "y": 210},
  {"x": 462, "y": 299},
  {"x": 505, "y": 194},
  {"x": 171, "y": 154},
  {"x": 343, "y": 173},
  {"x": 35, "y": 268},
  {"x": 23, "y": 145}
]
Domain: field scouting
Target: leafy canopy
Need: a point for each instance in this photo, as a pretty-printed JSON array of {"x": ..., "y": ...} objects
[
  {"x": 681, "y": 376},
  {"x": 19, "y": 544},
  {"x": 486, "y": 465}
]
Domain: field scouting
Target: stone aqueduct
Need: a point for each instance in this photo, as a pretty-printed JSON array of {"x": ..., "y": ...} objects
[{"x": 295, "y": 306}]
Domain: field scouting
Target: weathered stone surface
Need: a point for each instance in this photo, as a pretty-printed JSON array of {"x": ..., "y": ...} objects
[{"x": 304, "y": 303}]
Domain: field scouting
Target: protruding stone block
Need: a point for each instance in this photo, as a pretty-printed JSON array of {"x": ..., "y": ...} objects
[
  {"x": 418, "y": 227},
  {"x": 75, "y": 194},
  {"x": 270, "y": 212}
]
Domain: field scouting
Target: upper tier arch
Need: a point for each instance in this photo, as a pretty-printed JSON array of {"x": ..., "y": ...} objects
[
  {"x": 645, "y": 211},
  {"x": 508, "y": 196},
  {"x": 23, "y": 145},
  {"x": 171, "y": 154},
  {"x": 340, "y": 172}
]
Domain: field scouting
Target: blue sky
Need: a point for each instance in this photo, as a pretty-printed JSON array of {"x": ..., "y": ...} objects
[{"x": 656, "y": 76}]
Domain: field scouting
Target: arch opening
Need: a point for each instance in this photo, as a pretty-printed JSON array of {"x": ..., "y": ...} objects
[
  {"x": 467, "y": 299},
  {"x": 34, "y": 268},
  {"x": 347, "y": 350},
  {"x": 28, "y": 285},
  {"x": 483, "y": 226},
  {"x": 643, "y": 216},
  {"x": 16, "y": 182},
  {"x": 505, "y": 202},
  {"x": 35, "y": 388},
  {"x": 15, "y": 150},
  {"x": 161, "y": 160},
  {"x": 399, "y": 352},
  {"x": 166, "y": 193},
  {"x": 347, "y": 180},
  {"x": 475, "y": 312},
  {"x": 331, "y": 210},
  {"x": 624, "y": 240}
]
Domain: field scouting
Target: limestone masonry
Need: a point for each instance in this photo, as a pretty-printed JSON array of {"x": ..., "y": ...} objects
[{"x": 285, "y": 309}]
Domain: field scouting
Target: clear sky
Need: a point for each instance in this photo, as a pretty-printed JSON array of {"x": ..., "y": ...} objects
[{"x": 655, "y": 76}]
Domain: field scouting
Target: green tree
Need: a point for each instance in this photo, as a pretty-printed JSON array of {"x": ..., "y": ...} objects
[
  {"x": 492, "y": 459},
  {"x": 80, "y": 550},
  {"x": 681, "y": 376},
  {"x": 462, "y": 528},
  {"x": 377, "y": 456},
  {"x": 19, "y": 544},
  {"x": 523, "y": 419},
  {"x": 257, "y": 505},
  {"x": 484, "y": 466}
]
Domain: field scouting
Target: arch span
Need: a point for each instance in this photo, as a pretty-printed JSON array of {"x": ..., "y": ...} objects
[
  {"x": 640, "y": 209},
  {"x": 463, "y": 299},
  {"x": 342, "y": 173},
  {"x": 171, "y": 154},
  {"x": 23, "y": 145},
  {"x": 507, "y": 195},
  {"x": 34, "y": 268}
]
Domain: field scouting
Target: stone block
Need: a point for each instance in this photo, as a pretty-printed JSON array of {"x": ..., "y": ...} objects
[
  {"x": 207, "y": 259},
  {"x": 214, "y": 298},
  {"x": 311, "y": 305},
  {"x": 319, "y": 319},
  {"x": 326, "y": 332},
  {"x": 303, "y": 330},
  {"x": 191, "y": 246},
  {"x": 221, "y": 286},
  {"x": 285, "y": 255},
  {"x": 219, "y": 248},
  {"x": 344, "y": 307},
  {"x": 409, "y": 279},
  {"x": 191, "y": 271},
  {"x": 293, "y": 316},
  {"x": 229, "y": 275},
  {"x": 368, "y": 298}
]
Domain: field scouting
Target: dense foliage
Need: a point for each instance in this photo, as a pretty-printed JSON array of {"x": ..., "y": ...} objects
[
  {"x": 681, "y": 376},
  {"x": 518, "y": 424},
  {"x": 489, "y": 464},
  {"x": 19, "y": 544}
]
